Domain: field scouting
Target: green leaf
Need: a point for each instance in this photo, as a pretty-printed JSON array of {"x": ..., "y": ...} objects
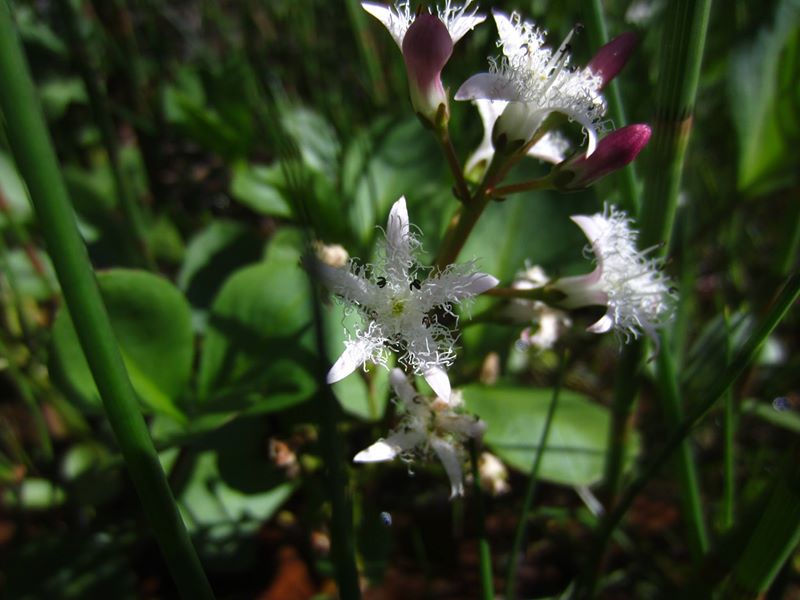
[
  {"x": 576, "y": 451},
  {"x": 315, "y": 138},
  {"x": 260, "y": 188},
  {"x": 385, "y": 162},
  {"x": 765, "y": 102},
  {"x": 230, "y": 491},
  {"x": 14, "y": 193},
  {"x": 257, "y": 349},
  {"x": 211, "y": 256},
  {"x": 218, "y": 122},
  {"x": 57, "y": 95},
  {"x": 152, "y": 324}
]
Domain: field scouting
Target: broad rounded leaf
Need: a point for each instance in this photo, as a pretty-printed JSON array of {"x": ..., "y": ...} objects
[
  {"x": 515, "y": 416},
  {"x": 211, "y": 256},
  {"x": 260, "y": 188},
  {"x": 230, "y": 491},
  {"x": 152, "y": 324},
  {"x": 258, "y": 335}
]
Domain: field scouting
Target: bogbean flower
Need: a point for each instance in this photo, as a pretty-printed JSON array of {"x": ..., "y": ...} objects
[
  {"x": 400, "y": 306},
  {"x": 428, "y": 426},
  {"x": 426, "y": 41},
  {"x": 636, "y": 293},
  {"x": 537, "y": 81},
  {"x": 614, "y": 151},
  {"x": 551, "y": 148}
]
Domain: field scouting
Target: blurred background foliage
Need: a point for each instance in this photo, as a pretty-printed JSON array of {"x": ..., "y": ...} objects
[{"x": 199, "y": 140}]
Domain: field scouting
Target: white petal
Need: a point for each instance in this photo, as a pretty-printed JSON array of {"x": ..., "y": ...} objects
[
  {"x": 439, "y": 381},
  {"x": 489, "y": 111},
  {"x": 379, "y": 451},
  {"x": 397, "y": 231},
  {"x": 510, "y": 36},
  {"x": 452, "y": 465},
  {"x": 384, "y": 14},
  {"x": 551, "y": 148},
  {"x": 492, "y": 86},
  {"x": 392, "y": 446},
  {"x": 402, "y": 386},
  {"x": 603, "y": 325},
  {"x": 479, "y": 283},
  {"x": 591, "y": 132},
  {"x": 459, "y": 27},
  {"x": 591, "y": 225},
  {"x": 343, "y": 283},
  {"x": 354, "y": 355},
  {"x": 453, "y": 286}
]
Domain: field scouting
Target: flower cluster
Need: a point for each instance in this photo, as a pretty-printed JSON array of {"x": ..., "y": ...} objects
[
  {"x": 437, "y": 426},
  {"x": 407, "y": 309}
]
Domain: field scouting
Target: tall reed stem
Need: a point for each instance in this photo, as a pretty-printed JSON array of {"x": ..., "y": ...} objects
[{"x": 37, "y": 162}]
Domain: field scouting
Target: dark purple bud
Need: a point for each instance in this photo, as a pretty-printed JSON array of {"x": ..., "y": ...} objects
[
  {"x": 427, "y": 47},
  {"x": 609, "y": 60},
  {"x": 613, "y": 152}
]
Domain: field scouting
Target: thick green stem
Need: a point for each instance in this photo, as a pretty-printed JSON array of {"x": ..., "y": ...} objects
[
  {"x": 37, "y": 162},
  {"x": 679, "y": 71},
  {"x": 522, "y": 525},
  {"x": 484, "y": 551},
  {"x": 625, "y": 177}
]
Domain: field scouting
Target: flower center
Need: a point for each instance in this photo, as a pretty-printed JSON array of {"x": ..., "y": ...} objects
[{"x": 398, "y": 305}]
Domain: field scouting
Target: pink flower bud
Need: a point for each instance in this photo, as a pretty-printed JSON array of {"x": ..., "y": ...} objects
[
  {"x": 427, "y": 47},
  {"x": 613, "y": 152},
  {"x": 609, "y": 60}
]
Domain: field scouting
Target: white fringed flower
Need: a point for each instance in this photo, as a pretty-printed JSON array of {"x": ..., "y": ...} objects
[
  {"x": 399, "y": 306},
  {"x": 638, "y": 295},
  {"x": 459, "y": 19},
  {"x": 428, "y": 426},
  {"x": 536, "y": 81},
  {"x": 551, "y": 148}
]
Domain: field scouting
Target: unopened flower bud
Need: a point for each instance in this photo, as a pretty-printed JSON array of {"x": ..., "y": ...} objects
[
  {"x": 613, "y": 152},
  {"x": 611, "y": 58},
  {"x": 427, "y": 47}
]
